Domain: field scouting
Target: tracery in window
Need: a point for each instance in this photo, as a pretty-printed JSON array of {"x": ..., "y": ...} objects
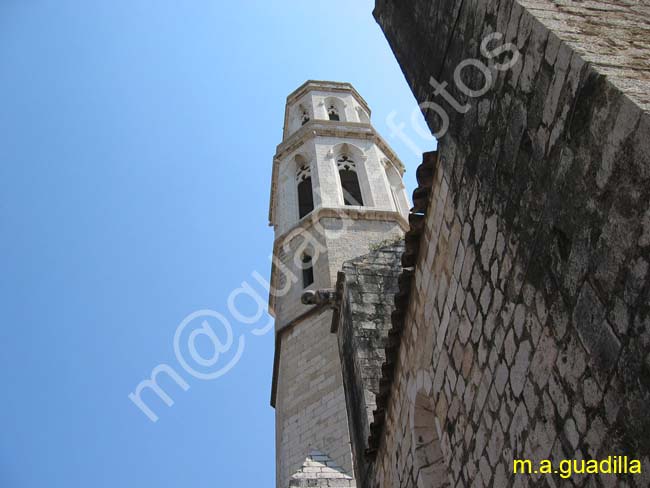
[
  {"x": 305, "y": 192},
  {"x": 349, "y": 180}
]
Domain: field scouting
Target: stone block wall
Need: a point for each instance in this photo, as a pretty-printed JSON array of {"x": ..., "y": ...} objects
[
  {"x": 366, "y": 287},
  {"x": 307, "y": 391},
  {"x": 338, "y": 235},
  {"x": 310, "y": 405},
  {"x": 528, "y": 327}
]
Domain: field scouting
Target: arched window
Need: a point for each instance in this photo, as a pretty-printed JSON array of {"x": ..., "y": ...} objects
[
  {"x": 305, "y": 192},
  {"x": 304, "y": 115},
  {"x": 335, "y": 108},
  {"x": 349, "y": 181},
  {"x": 307, "y": 271},
  {"x": 333, "y": 113},
  {"x": 429, "y": 464},
  {"x": 396, "y": 188}
]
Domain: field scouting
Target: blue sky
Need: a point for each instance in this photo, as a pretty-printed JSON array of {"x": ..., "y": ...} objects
[{"x": 136, "y": 141}]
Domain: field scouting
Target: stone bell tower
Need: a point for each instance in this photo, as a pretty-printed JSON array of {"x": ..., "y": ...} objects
[{"x": 336, "y": 192}]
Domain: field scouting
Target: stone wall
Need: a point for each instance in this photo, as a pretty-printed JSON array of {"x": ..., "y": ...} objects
[
  {"x": 528, "y": 328},
  {"x": 307, "y": 390},
  {"x": 307, "y": 385},
  {"x": 310, "y": 403},
  {"x": 331, "y": 238},
  {"x": 366, "y": 287}
]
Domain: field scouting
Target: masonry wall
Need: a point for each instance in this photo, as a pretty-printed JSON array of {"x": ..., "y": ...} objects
[
  {"x": 309, "y": 399},
  {"x": 528, "y": 328},
  {"x": 331, "y": 242},
  {"x": 310, "y": 406},
  {"x": 367, "y": 286}
]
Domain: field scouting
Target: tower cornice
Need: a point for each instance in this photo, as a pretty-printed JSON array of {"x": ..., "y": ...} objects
[{"x": 326, "y": 86}]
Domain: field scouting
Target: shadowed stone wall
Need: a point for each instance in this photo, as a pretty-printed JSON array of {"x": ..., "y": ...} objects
[
  {"x": 528, "y": 326},
  {"x": 367, "y": 286}
]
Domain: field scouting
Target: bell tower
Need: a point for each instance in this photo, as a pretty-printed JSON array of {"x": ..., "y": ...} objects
[{"x": 336, "y": 192}]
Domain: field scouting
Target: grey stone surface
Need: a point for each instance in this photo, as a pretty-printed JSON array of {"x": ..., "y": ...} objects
[
  {"x": 362, "y": 333},
  {"x": 318, "y": 470},
  {"x": 542, "y": 350}
]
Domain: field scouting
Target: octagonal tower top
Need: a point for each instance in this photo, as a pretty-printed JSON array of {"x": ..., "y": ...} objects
[{"x": 324, "y": 100}]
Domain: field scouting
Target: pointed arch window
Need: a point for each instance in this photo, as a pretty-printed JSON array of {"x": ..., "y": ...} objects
[
  {"x": 307, "y": 271},
  {"x": 305, "y": 192},
  {"x": 363, "y": 116},
  {"x": 349, "y": 181},
  {"x": 396, "y": 187},
  {"x": 333, "y": 113}
]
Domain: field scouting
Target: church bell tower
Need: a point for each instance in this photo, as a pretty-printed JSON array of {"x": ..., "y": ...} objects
[{"x": 336, "y": 193}]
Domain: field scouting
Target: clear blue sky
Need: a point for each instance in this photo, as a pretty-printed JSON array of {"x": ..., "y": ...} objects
[{"x": 136, "y": 141}]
